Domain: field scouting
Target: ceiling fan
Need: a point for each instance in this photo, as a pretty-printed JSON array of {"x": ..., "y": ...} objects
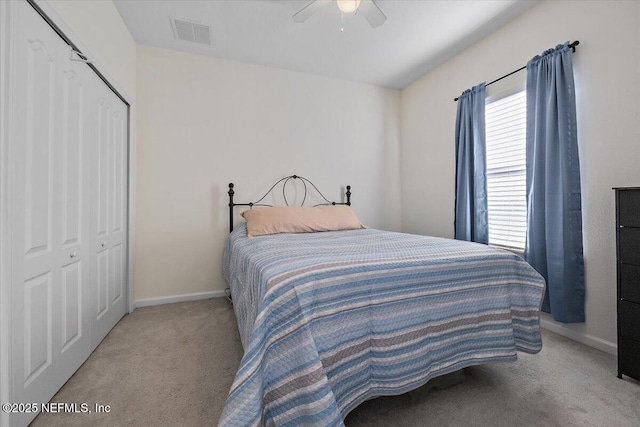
[{"x": 366, "y": 8}]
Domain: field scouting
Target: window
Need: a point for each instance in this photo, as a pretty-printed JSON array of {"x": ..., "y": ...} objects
[{"x": 506, "y": 171}]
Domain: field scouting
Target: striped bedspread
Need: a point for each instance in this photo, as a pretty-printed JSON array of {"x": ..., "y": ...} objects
[{"x": 329, "y": 320}]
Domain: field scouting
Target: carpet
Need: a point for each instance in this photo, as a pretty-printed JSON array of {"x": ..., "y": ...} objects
[{"x": 173, "y": 365}]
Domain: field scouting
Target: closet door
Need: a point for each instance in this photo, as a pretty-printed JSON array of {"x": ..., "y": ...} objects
[
  {"x": 108, "y": 238},
  {"x": 50, "y": 213},
  {"x": 68, "y": 156}
]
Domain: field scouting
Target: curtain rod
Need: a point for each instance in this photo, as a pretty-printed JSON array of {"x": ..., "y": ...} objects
[{"x": 572, "y": 46}]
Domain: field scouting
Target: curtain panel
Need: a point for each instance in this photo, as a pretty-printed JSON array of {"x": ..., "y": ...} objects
[
  {"x": 554, "y": 212},
  {"x": 471, "y": 215}
]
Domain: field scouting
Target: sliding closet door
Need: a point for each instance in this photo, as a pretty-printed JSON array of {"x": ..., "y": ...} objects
[
  {"x": 50, "y": 213},
  {"x": 109, "y": 205}
]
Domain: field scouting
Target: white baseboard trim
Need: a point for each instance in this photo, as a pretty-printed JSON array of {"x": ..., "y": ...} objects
[
  {"x": 178, "y": 298},
  {"x": 591, "y": 341}
]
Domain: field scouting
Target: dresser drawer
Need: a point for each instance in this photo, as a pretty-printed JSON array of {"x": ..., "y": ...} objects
[
  {"x": 629, "y": 245},
  {"x": 629, "y": 208},
  {"x": 630, "y": 282},
  {"x": 629, "y": 313},
  {"x": 629, "y": 358}
]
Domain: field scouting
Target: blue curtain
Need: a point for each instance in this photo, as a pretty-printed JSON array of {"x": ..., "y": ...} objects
[
  {"x": 471, "y": 217},
  {"x": 554, "y": 213}
]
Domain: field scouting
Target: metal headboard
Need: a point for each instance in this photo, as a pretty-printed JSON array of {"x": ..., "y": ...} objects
[{"x": 284, "y": 182}]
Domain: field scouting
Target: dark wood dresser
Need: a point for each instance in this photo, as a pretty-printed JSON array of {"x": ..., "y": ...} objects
[{"x": 628, "y": 254}]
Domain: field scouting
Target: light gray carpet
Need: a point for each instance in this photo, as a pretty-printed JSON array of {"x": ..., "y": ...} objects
[{"x": 173, "y": 365}]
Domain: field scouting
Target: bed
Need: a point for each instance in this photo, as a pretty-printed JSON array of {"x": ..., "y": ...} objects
[{"x": 328, "y": 320}]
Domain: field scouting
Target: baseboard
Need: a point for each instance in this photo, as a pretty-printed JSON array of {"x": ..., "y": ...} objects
[
  {"x": 591, "y": 341},
  {"x": 178, "y": 298}
]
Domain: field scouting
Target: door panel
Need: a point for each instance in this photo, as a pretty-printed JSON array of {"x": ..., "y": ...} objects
[
  {"x": 117, "y": 273},
  {"x": 110, "y": 207},
  {"x": 102, "y": 280},
  {"x": 72, "y": 298},
  {"x": 73, "y": 161},
  {"x": 118, "y": 197},
  {"x": 119, "y": 171},
  {"x": 102, "y": 165},
  {"x": 34, "y": 215},
  {"x": 39, "y": 85},
  {"x": 37, "y": 329},
  {"x": 72, "y": 321}
]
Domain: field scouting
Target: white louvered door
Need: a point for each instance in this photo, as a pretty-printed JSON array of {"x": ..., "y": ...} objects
[{"x": 68, "y": 135}]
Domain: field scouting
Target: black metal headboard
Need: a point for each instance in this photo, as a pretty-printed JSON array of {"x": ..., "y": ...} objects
[{"x": 284, "y": 182}]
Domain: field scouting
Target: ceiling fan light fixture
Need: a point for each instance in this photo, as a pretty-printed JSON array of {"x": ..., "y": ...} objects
[{"x": 348, "y": 6}]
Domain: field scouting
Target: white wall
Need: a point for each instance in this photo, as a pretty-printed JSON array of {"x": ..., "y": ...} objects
[
  {"x": 204, "y": 122},
  {"x": 607, "y": 72},
  {"x": 98, "y": 24}
]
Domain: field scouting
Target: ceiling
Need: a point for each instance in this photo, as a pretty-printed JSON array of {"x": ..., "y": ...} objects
[{"x": 417, "y": 36}]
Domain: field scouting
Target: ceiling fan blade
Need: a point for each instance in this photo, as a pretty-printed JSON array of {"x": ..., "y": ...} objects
[
  {"x": 310, "y": 9},
  {"x": 372, "y": 13}
]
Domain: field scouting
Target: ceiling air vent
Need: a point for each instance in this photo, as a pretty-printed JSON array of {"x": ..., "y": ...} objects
[{"x": 191, "y": 31}]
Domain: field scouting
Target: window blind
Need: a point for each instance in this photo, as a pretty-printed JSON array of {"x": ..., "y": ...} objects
[{"x": 506, "y": 170}]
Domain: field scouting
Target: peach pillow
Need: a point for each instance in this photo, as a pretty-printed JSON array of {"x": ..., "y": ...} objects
[{"x": 263, "y": 221}]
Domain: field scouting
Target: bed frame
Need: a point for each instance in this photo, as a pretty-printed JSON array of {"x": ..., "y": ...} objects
[{"x": 284, "y": 182}]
